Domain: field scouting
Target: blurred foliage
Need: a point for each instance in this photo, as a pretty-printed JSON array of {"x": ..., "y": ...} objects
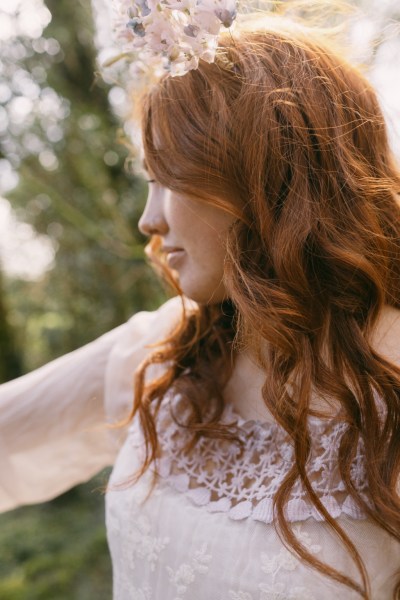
[
  {"x": 10, "y": 362},
  {"x": 57, "y": 550},
  {"x": 73, "y": 188}
]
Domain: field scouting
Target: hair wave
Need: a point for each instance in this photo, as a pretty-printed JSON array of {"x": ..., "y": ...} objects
[{"x": 288, "y": 135}]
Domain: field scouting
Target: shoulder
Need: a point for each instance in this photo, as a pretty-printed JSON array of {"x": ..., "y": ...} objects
[
  {"x": 138, "y": 338},
  {"x": 385, "y": 338},
  {"x": 156, "y": 324}
]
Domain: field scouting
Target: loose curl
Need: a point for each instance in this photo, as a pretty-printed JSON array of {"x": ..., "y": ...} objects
[{"x": 288, "y": 136}]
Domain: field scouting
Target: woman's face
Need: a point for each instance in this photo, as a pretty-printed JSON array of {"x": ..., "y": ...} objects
[{"x": 193, "y": 235}]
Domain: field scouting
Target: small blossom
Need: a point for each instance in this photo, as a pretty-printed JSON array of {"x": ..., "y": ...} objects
[
  {"x": 225, "y": 16},
  {"x": 137, "y": 27},
  {"x": 191, "y": 30}
]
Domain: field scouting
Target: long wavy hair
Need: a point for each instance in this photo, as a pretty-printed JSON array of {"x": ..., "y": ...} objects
[{"x": 284, "y": 133}]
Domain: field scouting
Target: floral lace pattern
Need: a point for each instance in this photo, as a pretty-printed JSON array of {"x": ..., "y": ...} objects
[
  {"x": 275, "y": 565},
  {"x": 185, "y": 575},
  {"x": 145, "y": 545},
  {"x": 139, "y": 546},
  {"x": 223, "y": 477},
  {"x": 205, "y": 532},
  {"x": 142, "y": 593}
]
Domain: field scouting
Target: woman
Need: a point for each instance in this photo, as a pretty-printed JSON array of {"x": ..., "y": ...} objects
[{"x": 262, "y": 456}]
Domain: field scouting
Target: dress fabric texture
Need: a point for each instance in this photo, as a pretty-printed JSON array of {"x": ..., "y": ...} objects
[{"x": 205, "y": 532}]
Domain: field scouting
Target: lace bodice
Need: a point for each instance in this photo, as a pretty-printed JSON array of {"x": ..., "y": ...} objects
[
  {"x": 206, "y": 531},
  {"x": 242, "y": 481}
]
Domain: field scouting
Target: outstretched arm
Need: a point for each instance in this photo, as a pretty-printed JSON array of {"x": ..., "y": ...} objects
[
  {"x": 53, "y": 421},
  {"x": 52, "y": 425}
]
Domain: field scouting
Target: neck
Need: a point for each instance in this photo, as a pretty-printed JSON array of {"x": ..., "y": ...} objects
[{"x": 243, "y": 389}]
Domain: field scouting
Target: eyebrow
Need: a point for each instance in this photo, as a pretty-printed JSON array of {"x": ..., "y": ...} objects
[{"x": 145, "y": 166}]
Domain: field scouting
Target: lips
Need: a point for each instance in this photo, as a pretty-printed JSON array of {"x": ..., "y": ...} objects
[
  {"x": 174, "y": 255},
  {"x": 168, "y": 249}
]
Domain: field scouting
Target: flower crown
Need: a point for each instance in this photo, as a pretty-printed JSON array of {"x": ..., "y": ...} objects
[{"x": 172, "y": 34}]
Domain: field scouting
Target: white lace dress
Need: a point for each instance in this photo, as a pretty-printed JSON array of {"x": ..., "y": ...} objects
[{"x": 206, "y": 530}]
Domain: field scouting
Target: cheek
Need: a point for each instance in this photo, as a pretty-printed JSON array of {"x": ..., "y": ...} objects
[
  {"x": 201, "y": 228},
  {"x": 206, "y": 245},
  {"x": 181, "y": 221}
]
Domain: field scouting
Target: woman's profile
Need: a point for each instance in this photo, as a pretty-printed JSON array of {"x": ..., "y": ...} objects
[{"x": 255, "y": 415}]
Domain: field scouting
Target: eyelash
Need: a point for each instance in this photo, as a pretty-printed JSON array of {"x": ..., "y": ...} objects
[{"x": 150, "y": 180}]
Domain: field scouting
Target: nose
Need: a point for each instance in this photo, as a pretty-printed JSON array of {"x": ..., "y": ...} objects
[{"x": 152, "y": 221}]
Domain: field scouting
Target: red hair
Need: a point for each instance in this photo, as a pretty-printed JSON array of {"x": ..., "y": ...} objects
[{"x": 286, "y": 134}]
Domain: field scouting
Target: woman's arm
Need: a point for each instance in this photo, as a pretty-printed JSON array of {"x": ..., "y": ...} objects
[
  {"x": 53, "y": 421},
  {"x": 52, "y": 433}
]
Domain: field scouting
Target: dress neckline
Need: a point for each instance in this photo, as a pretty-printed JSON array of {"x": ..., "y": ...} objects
[{"x": 242, "y": 480}]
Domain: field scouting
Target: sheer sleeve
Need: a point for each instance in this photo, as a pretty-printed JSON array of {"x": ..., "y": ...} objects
[{"x": 53, "y": 421}]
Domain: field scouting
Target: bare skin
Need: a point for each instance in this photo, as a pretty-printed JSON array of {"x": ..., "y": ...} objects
[{"x": 243, "y": 389}]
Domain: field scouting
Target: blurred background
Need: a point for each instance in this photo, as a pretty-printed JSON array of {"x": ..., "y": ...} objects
[{"x": 71, "y": 259}]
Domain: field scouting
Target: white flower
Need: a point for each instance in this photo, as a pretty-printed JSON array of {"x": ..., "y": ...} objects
[{"x": 178, "y": 33}]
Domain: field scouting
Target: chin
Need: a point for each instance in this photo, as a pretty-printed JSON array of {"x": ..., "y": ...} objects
[{"x": 202, "y": 295}]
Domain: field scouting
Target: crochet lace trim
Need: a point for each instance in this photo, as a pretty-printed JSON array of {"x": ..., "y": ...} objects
[{"x": 223, "y": 477}]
